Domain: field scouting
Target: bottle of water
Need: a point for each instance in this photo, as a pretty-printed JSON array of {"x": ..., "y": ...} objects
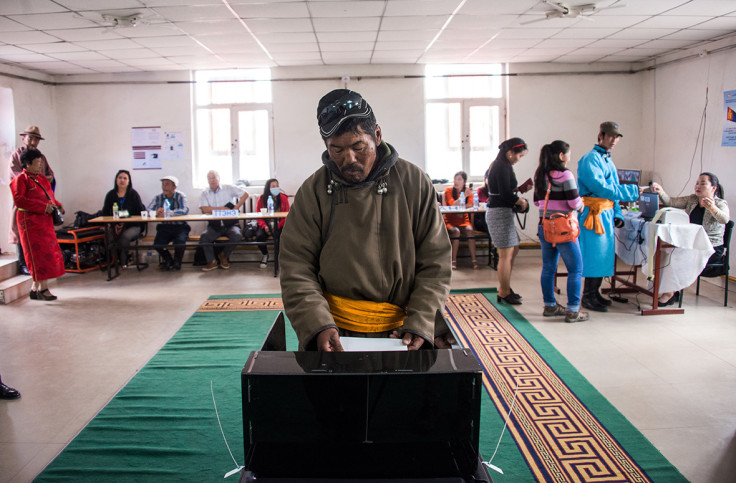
[
  {"x": 476, "y": 201},
  {"x": 462, "y": 200},
  {"x": 167, "y": 209},
  {"x": 115, "y": 211},
  {"x": 269, "y": 205}
]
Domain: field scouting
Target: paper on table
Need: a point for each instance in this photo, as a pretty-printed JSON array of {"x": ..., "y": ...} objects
[{"x": 361, "y": 344}]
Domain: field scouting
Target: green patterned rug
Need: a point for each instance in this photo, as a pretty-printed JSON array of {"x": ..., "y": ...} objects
[{"x": 163, "y": 426}]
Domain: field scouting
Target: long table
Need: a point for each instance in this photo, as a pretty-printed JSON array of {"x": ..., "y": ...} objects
[
  {"x": 109, "y": 221},
  {"x": 680, "y": 254}
]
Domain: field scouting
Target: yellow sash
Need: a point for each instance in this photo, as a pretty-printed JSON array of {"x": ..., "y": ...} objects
[
  {"x": 364, "y": 315},
  {"x": 596, "y": 205}
]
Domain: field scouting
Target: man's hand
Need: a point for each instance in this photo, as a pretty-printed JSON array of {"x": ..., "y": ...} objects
[
  {"x": 412, "y": 341},
  {"x": 444, "y": 341},
  {"x": 329, "y": 341}
]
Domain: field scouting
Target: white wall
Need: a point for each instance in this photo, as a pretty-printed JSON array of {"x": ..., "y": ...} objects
[
  {"x": 88, "y": 126},
  {"x": 23, "y": 103},
  {"x": 680, "y": 93}
]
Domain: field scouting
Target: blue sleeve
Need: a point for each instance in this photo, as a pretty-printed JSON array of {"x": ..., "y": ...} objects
[
  {"x": 183, "y": 208},
  {"x": 591, "y": 176},
  {"x": 153, "y": 205}
]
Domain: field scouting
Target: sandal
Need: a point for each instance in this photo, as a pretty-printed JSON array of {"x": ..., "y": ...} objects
[
  {"x": 580, "y": 316},
  {"x": 475, "y": 265},
  {"x": 454, "y": 264}
]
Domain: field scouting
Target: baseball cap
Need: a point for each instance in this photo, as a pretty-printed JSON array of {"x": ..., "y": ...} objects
[
  {"x": 173, "y": 179},
  {"x": 610, "y": 127},
  {"x": 337, "y": 107}
]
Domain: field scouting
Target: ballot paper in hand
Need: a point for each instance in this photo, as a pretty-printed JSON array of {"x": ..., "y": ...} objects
[{"x": 362, "y": 344}]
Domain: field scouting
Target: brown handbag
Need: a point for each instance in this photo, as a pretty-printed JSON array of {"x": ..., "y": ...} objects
[{"x": 559, "y": 227}]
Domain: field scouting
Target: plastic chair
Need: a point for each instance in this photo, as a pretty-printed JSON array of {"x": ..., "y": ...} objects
[{"x": 720, "y": 268}]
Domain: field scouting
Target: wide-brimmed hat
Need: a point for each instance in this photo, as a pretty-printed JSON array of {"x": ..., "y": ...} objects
[
  {"x": 611, "y": 128},
  {"x": 173, "y": 179},
  {"x": 32, "y": 131}
]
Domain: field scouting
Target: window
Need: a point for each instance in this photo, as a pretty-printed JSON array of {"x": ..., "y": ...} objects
[
  {"x": 464, "y": 118},
  {"x": 233, "y": 126}
]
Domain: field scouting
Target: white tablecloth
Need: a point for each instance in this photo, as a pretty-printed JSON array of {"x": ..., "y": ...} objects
[{"x": 680, "y": 266}]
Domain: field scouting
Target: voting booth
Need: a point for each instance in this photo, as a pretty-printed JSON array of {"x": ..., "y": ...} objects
[{"x": 351, "y": 416}]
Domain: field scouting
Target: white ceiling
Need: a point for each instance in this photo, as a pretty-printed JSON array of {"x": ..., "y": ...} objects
[{"x": 71, "y": 36}]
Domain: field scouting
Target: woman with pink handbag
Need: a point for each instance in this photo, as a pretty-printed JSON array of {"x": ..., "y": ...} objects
[{"x": 556, "y": 195}]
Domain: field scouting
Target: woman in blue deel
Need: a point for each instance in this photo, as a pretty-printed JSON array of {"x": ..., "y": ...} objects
[{"x": 601, "y": 193}]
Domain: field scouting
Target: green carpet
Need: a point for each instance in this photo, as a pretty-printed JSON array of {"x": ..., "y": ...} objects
[{"x": 162, "y": 425}]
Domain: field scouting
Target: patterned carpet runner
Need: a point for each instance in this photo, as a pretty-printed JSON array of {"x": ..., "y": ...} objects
[{"x": 559, "y": 437}]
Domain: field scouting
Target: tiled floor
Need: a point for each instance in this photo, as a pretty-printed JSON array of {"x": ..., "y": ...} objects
[{"x": 674, "y": 377}]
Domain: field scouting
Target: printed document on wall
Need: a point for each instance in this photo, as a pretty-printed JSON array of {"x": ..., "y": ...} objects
[
  {"x": 173, "y": 145},
  {"x": 729, "y": 118},
  {"x": 146, "y": 144}
]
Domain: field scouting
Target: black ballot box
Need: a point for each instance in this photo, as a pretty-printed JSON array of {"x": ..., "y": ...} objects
[{"x": 348, "y": 416}]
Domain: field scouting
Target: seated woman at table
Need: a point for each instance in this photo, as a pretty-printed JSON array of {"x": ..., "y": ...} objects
[
  {"x": 128, "y": 199},
  {"x": 280, "y": 204},
  {"x": 459, "y": 224},
  {"x": 706, "y": 207}
]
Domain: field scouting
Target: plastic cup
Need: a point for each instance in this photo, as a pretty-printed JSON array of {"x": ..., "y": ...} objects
[
  {"x": 264, "y": 211},
  {"x": 152, "y": 214},
  {"x": 144, "y": 215}
]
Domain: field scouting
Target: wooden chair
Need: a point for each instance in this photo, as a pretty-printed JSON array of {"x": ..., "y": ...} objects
[{"x": 720, "y": 268}]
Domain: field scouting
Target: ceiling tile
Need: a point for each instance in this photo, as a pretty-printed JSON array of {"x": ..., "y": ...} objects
[
  {"x": 720, "y": 23},
  {"x": 345, "y": 47},
  {"x": 364, "y": 8},
  {"x": 712, "y": 8},
  {"x": 20, "y": 7},
  {"x": 296, "y": 56},
  {"x": 346, "y": 36},
  {"x": 496, "y": 7},
  {"x": 614, "y": 21},
  {"x": 111, "y": 44},
  {"x": 155, "y": 30},
  {"x": 272, "y": 10},
  {"x": 149, "y": 61},
  {"x": 287, "y": 37},
  {"x": 670, "y": 22},
  {"x": 12, "y": 49},
  {"x": 695, "y": 34},
  {"x": 641, "y": 34},
  {"x": 399, "y": 8},
  {"x": 262, "y": 25},
  {"x": 78, "y": 5},
  {"x": 586, "y": 33},
  {"x": 60, "y": 46},
  {"x": 363, "y": 57},
  {"x": 75, "y": 56},
  {"x": 417, "y": 23},
  {"x": 563, "y": 43},
  {"x": 126, "y": 54},
  {"x": 96, "y": 33},
  {"x": 7, "y": 25},
  {"x": 304, "y": 47},
  {"x": 208, "y": 26},
  {"x": 648, "y": 7},
  {"x": 66, "y": 20},
  {"x": 486, "y": 23},
  {"x": 197, "y": 12},
  {"x": 180, "y": 51},
  {"x": 28, "y": 37},
  {"x": 26, "y": 57},
  {"x": 348, "y": 24},
  {"x": 398, "y": 35},
  {"x": 528, "y": 33},
  {"x": 617, "y": 43},
  {"x": 170, "y": 41},
  {"x": 414, "y": 45},
  {"x": 667, "y": 44}
]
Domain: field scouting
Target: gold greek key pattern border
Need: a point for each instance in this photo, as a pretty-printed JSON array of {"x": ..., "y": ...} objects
[
  {"x": 556, "y": 434},
  {"x": 241, "y": 305}
]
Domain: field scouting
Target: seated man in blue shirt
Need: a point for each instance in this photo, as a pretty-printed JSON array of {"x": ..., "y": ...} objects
[
  {"x": 220, "y": 197},
  {"x": 175, "y": 232}
]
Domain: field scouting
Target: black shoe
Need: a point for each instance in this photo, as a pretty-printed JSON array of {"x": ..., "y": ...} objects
[
  {"x": 176, "y": 266},
  {"x": 24, "y": 270},
  {"x": 509, "y": 299},
  {"x": 591, "y": 303},
  {"x": 602, "y": 300},
  {"x": 46, "y": 295},
  {"x": 675, "y": 298},
  {"x": 33, "y": 295},
  {"x": 7, "y": 392},
  {"x": 514, "y": 294}
]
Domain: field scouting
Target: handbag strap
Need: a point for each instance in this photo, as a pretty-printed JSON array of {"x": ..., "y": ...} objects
[
  {"x": 44, "y": 190},
  {"x": 546, "y": 197}
]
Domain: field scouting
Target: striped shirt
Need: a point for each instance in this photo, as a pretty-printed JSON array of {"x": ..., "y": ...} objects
[
  {"x": 563, "y": 196},
  {"x": 179, "y": 205}
]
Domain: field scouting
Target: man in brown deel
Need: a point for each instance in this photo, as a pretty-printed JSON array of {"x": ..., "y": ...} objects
[
  {"x": 31, "y": 137},
  {"x": 364, "y": 251}
]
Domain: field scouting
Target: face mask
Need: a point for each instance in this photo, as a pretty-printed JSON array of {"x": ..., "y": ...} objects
[{"x": 275, "y": 191}]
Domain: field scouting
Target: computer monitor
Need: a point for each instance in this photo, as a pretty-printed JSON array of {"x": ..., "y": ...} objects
[
  {"x": 629, "y": 176},
  {"x": 648, "y": 205}
]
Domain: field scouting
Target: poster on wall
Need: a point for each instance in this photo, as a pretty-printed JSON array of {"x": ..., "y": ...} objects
[
  {"x": 173, "y": 145},
  {"x": 146, "y": 144},
  {"x": 729, "y": 118}
]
